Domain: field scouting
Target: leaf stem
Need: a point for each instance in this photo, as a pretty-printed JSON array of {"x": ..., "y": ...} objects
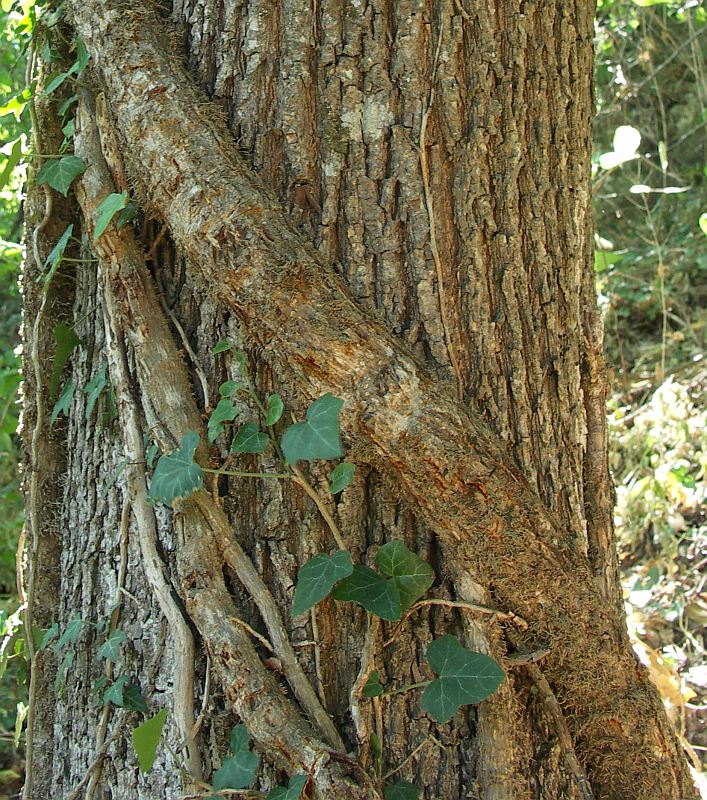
[
  {"x": 248, "y": 474},
  {"x": 405, "y": 688}
]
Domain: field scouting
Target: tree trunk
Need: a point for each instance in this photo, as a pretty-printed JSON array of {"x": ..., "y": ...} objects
[{"x": 388, "y": 202}]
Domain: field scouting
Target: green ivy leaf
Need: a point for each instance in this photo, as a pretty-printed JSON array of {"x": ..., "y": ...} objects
[
  {"x": 66, "y": 341},
  {"x": 49, "y": 635},
  {"x": 11, "y": 163},
  {"x": 93, "y": 390},
  {"x": 402, "y": 790},
  {"x": 60, "y": 173},
  {"x": 57, "y": 254},
  {"x": 225, "y": 411},
  {"x": 127, "y": 214},
  {"x": 177, "y": 475},
  {"x": 71, "y": 633},
  {"x": 82, "y": 56},
  {"x": 107, "y": 209},
  {"x": 237, "y": 771},
  {"x": 464, "y": 678},
  {"x": 373, "y": 687},
  {"x": 66, "y": 105},
  {"x": 133, "y": 699},
  {"x": 227, "y": 388},
  {"x": 63, "y": 404},
  {"x": 66, "y": 663},
  {"x": 376, "y": 745},
  {"x": 411, "y": 575},
  {"x": 110, "y": 649},
  {"x": 55, "y": 81},
  {"x": 319, "y": 436},
  {"x": 221, "y": 347},
  {"x": 341, "y": 477},
  {"x": 274, "y": 409},
  {"x": 146, "y": 737},
  {"x": 292, "y": 792},
  {"x": 114, "y": 693},
  {"x": 317, "y": 577},
  {"x": 249, "y": 439},
  {"x": 370, "y": 590}
]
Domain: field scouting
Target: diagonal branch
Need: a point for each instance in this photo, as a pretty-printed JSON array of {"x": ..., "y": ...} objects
[{"x": 296, "y": 308}]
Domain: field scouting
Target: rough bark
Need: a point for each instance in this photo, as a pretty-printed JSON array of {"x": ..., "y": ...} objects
[{"x": 454, "y": 197}]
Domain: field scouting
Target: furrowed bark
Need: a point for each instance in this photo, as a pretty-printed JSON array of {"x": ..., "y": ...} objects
[
  {"x": 132, "y": 307},
  {"x": 458, "y": 476}
]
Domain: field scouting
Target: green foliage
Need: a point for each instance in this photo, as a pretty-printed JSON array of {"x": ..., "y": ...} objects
[
  {"x": 110, "y": 649},
  {"x": 107, "y": 209},
  {"x": 292, "y": 792},
  {"x": 221, "y": 347},
  {"x": 55, "y": 257},
  {"x": 402, "y": 790},
  {"x": 341, "y": 477},
  {"x": 318, "y": 437},
  {"x": 464, "y": 678},
  {"x": 66, "y": 341},
  {"x": 177, "y": 475},
  {"x": 237, "y": 771},
  {"x": 61, "y": 173},
  {"x": 275, "y": 408},
  {"x": 63, "y": 404},
  {"x": 249, "y": 439},
  {"x": 225, "y": 411},
  {"x": 94, "y": 389},
  {"x": 317, "y": 577},
  {"x": 406, "y": 577},
  {"x": 373, "y": 687},
  {"x": 146, "y": 737}
]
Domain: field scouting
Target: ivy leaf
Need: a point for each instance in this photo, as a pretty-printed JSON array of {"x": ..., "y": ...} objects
[
  {"x": 66, "y": 105},
  {"x": 63, "y": 404},
  {"x": 373, "y": 687},
  {"x": 317, "y": 577},
  {"x": 49, "y": 635},
  {"x": 225, "y": 411},
  {"x": 71, "y": 633},
  {"x": 66, "y": 341},
  {"x": 82, "y": 56},
  {"x": 402, "y": 790},
  {"x": 370, "y": 590},
  {"x": 412, "y": 576},
  {"x": 319, "y": 436},
  {"x": 249, "y": 439},
  {"x": 464, "y": 678},
  {"x": 60, "y": 173},
  {"x": 133, "y": 699},
  {"x": 292, "y": 792},
  {"x": 177, "y": 475},
  {"x": 107, "y": 209},
  {"x": 127, "y": 214},
  {"x": 275, "y": 409},
  {"x": 146, "y": 737},
  {"x": 57, "y": 254},
  {"x": 55, "y": 81},
  {"x": 221, "y": 347},
  {"x": 110, "y": 649},
  {"x": 237, "y": 771},
  {"x": 93, "y": 390},
  {"x": 66, "y": 662},
  {"x": 376, "y": 745},
  {"x": 227, "y": 388},
  {"x": 341, "y": 477},
  {"x": 114, "y": 693}
]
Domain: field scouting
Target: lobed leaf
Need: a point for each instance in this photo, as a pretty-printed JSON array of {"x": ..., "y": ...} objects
[
  {"x": 372, "y": 591},
  {"x": 317, "y": 577},
  {"x": 110, "y": 649},
  {"x": 107, "y": 209},
  {"x": 319, "y": 436},
  {"x": 225, "y": 411},
  {"x": 411, "y": 575},
  {"x": 249, "y": 439},
  {"x": 177, "y": 475},
  {"x": 60, "y": 173},
  {"x": 402, "y": 790},
  {"x": 464, "y": 678},
  {"x": 292, "y": 792}
]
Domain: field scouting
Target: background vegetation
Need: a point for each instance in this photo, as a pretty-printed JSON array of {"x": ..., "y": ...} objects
[{"x": 651, "y": 264}]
